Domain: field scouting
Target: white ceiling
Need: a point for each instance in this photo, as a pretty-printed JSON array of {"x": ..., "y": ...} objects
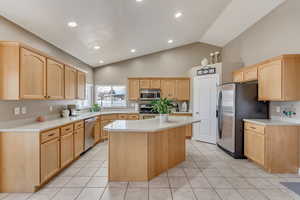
[
  {"x": 118, "y": 26},
  {"x": 236, "y": 18}
]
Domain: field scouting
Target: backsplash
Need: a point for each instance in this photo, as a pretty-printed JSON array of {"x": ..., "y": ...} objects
[
  {"x": 292, "y": 105},
  {"x": 34, "y": 108}
]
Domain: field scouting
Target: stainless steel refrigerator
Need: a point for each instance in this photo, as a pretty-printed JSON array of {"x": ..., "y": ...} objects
[{"x": 237, "y": 101}]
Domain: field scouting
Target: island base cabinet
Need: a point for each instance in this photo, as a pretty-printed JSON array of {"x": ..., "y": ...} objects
[
  {"x": 142, "y": 156},
  {"x": 49, "y": 159}
]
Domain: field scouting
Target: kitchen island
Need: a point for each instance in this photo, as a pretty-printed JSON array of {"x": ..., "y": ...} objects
[{"x": 139, "y": 150}]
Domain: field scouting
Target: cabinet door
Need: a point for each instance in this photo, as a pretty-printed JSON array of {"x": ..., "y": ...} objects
[
  {"x": 247, "y": 144},
  {"x": 155, "y": 84},
  {"x": 145, "y": 84},
  {"x": 78, "y": 142},
  {"x": 67, "y": 149},
  {"x": 70, "y": 83},
  {"x": 49, "y": 159},
  {"x": 270, "y": 81},
  {"x": 259, "y": 148},
  {"x": 168, "y": 89},
  {"x": 133, "y": 89},
  {"x": 104, "y": 134},
  {"x": 55, "y": 80},
  {"x": 237, "y": 76},
  {"x": 183, "y": 90},
  {"x": 81, "y": 83},
  {"x": 250, "y": 73},
  {"x": 189, "y": 130},
  {"x": 32, "y": 75},
  {"x": 97, "y": 132}
]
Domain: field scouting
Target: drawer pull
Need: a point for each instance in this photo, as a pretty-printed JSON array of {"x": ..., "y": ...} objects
[
  {"x": 253, "y": 127},
  {"x": 67, "y": 129},
  {"x": 51, "y": 135}
]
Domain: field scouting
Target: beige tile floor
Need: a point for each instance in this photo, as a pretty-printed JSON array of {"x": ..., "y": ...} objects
[{"x": 207, "y": 174}]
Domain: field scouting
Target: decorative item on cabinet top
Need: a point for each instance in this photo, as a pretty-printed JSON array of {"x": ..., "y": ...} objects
[
  {"x": 27, "y": 73},
  {"x": 206, "y": 70}
]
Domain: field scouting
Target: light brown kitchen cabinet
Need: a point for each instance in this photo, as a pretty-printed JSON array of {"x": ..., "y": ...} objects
[
  {"x": 250, "y": 73},
  {"x": 275, "y": 148},
  {"x": 133, "y": 117},
  {"x": 145, "y": 84},
  {"x": 183, "y": 90},
  {"x": 55, "y": 80},
  {"x": 133, "y": 89},
  {"x": 238, "y": 76},
  {"x": 155, "y": 84},
  {"x": 81, "y": 83},
  {"x": 32, "y": 75},
  {"x": 278, "y": 79},
  {"x": 168, "y": 88},
  {"x": 49, "y": 159},
  {"x": 70, "y": 83},
  {"x": 67, "y": 149},
  {"x": 78, "y": 142}
]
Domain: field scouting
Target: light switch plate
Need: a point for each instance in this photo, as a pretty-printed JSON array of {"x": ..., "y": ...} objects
[
  {"x": 24, "y": 110},
  {"x": 50, "y": 108},
  {"x": 17, "y": 110},
  {"x": 278, "y": 109}
]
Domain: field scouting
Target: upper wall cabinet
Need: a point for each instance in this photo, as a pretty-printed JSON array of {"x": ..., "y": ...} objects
[
  {"x": 168, "y": 89},
  {"x": 278, "y": 79},
  {"x": 133, "y": 89},
  {"x": 26, "y": 73},
  {"x": 245, "y": 74},
  {"x": 55, "y": 80},
  {"x": 149, "y": 84},
  {"x": 81, "y": 82},
  {"x": 145, "y": 84},
  {"x": 32, "y": 75},
  {"x": 70, "y": 83},
  {"x": 183, "y": 90}
]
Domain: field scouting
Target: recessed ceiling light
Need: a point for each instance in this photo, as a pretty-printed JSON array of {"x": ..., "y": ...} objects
[
  {"x": 72, "y": 24},
  {"x": 101, "y": 61},
  {"x": 170, "y": 41},
  {"x": 96, "y": 47},
  {"x": 138, "y": 0},
  {"x": 133, "y": 50},
  {"x": 178, "y": 14}
]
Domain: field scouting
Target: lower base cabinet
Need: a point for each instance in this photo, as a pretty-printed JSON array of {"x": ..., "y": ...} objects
[
  {"x": 66, "y": 149},
  {"x": 97, "y": 132},
  {"x": 49, "y": 159},
  {"x": 275, "y": 148},
  {"x": 78, "y": 142}
]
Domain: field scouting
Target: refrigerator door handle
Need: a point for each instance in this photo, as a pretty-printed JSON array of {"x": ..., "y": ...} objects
[{"x": 220, "y": 115}]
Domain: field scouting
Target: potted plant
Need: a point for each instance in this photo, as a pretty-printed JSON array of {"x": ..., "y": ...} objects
[{"x": 163, "y": 107}]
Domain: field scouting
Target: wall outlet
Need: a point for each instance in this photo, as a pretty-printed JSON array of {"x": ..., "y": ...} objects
[
  {"x": 50, "y": 108},
  {"x": 17, "y": 110},
  {"x": 278, "y": 109},
  {"x": 24, "y": 110}
]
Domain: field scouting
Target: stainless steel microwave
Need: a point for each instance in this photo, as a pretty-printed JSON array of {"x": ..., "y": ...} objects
[{"x": 149, "y": 94}]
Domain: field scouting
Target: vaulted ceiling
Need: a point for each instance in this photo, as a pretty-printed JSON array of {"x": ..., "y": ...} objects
[{"x": 119, "y": 26}]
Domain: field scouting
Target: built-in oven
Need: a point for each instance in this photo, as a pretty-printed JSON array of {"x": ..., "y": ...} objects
[
  {"x": 146, "y": 108},
  {"x": 149, "y": 94}
]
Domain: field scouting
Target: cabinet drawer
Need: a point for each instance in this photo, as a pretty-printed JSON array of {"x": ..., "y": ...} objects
[
  {"x": 49, "y": 135},
  {"x": 133, "y": 117},
  {"x": 122, "y": 116},
  {"x": 78, "y": 125},
  {"x": 109, "y": 117},
  {"x": 255, "y": 127},
  {"x": 66, "y": 129}
]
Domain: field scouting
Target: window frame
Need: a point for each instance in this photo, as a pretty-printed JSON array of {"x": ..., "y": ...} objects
[{"x": 111, "y": 86}]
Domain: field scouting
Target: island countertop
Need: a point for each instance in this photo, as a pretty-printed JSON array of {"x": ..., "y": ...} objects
[{"x": 149, "y": 125}]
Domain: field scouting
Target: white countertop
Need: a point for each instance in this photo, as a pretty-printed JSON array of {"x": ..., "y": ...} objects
[
  {"x": 50, "y": 124},
  {"x": 149, "y": 125},
  {"x": 272, "y": 122}
]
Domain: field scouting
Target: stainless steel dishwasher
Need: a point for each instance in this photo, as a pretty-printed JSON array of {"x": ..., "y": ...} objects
[{"x": 89, "y": 125}]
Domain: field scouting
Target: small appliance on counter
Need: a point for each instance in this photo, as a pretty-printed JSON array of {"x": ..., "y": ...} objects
[
  {"x": 184, "y": 107},
  {"x": 65, "y": 112},
  {"x": 74, "y": 110}
]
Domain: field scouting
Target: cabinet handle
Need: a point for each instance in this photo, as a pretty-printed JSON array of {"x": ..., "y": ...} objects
[
  {"x": 51, "y": 135},
  {"x": 252, "y": 127}
]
